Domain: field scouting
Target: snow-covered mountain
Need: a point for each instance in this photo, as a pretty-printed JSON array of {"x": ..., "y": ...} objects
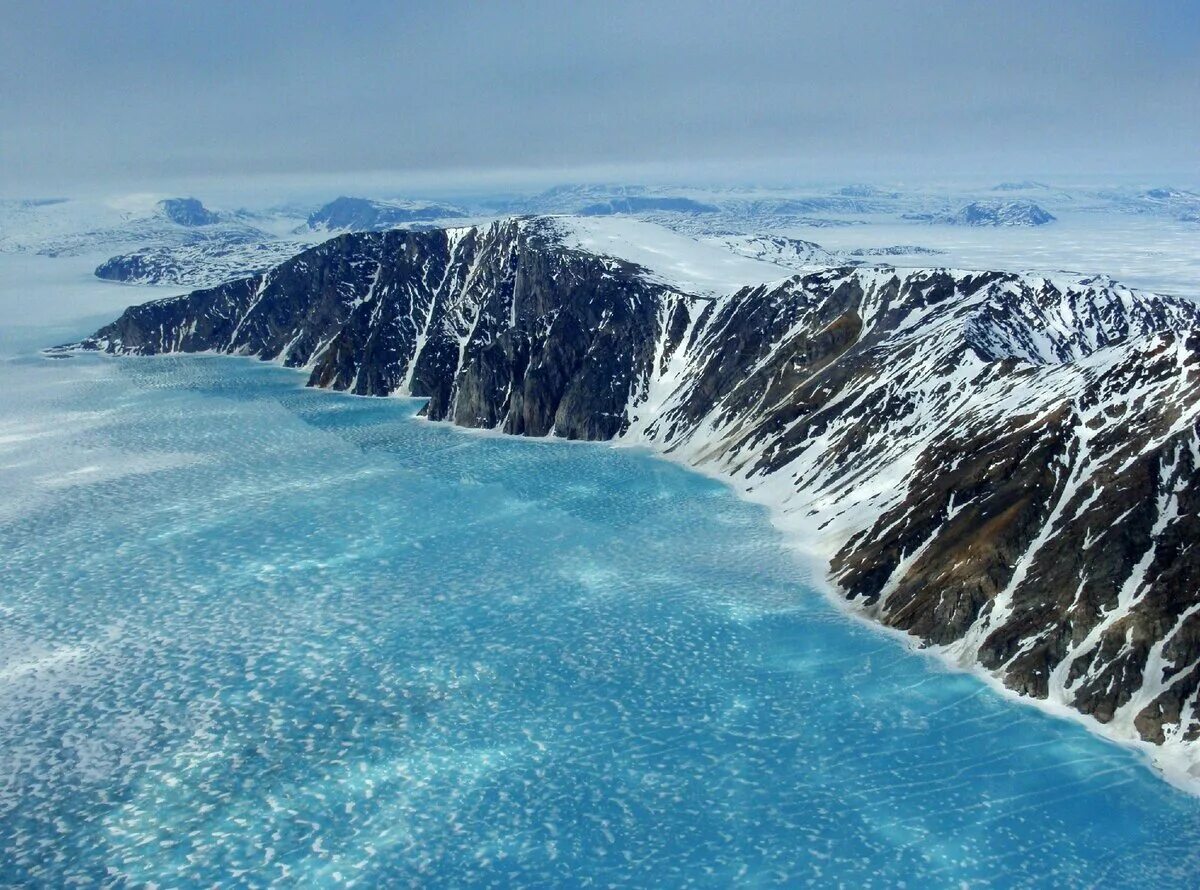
[
  {"x": 991, "y": 213},
  {"x": 747, "y": 210},
  {"x": 364, "y": 214},
  {"x": 798, "y": 254},
  {"x": 200, "y": 264},
  {"x": 73, "y": 228},
  {"x": 1004, "y": 466},
  {"x": 710, "y": 211},
  {"x": 790, "y": 253},
  {"x": 895, "y": 250},
  {"x": 1024, "y": 185},
  {"x": 648, "y": 204},
  {"x": 188, "y": 212},
  {"x": 569, "y": 198},
  {"x": 1163, "y": 201},
  {"x": 1002, "y": 213},
  {"x": 861, "y": 190}
]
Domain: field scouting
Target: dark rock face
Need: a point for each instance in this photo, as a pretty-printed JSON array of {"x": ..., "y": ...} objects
[
  {"x": 187, "y": 212},
  {"x": 364, "y": 215},
  {"x": 496, "y": 327},
  {"x": 126, "y": 267},
  {"x": 1006, "y": 467}
]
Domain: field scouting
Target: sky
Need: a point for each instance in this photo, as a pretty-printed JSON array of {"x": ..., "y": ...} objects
[{"x": 135, "y": 94}]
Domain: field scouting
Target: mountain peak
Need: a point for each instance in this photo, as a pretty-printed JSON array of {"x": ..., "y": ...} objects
[
  {"x": 349, "y": 214},
  {"x": 1003, "y": 213},
  {"x": 187, "y": 212}
]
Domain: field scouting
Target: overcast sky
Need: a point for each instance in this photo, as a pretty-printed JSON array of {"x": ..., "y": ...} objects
[{"x": 145, "y": 93}]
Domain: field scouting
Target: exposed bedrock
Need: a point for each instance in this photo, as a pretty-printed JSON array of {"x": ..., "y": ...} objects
[{"x": 1004, "y": 466}]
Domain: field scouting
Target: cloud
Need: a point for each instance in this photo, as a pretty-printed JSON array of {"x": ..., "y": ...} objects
[{"x": 147, "y": 92}]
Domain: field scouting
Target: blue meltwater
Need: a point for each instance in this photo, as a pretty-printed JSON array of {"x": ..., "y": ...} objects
[{"x": 252, "y": 634}]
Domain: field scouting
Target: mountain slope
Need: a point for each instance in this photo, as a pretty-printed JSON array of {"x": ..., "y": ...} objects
[{"x": 1005, "y": 467}]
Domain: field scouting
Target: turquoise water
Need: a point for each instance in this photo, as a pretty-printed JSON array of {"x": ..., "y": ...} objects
[{"x": 251, "y": 633}]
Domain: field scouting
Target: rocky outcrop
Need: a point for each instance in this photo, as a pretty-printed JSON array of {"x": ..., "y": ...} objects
[
  {"x": 364, "y": 215},
  {"x": 789, "y": 253},
  {"x": 991, "y": 213},
  {"x": 197, "y": 264},
  {"x": 1005, "y": 467},
  {"x": 187, "y": 212}
]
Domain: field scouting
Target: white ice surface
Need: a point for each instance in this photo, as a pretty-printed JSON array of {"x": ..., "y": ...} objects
[
  {"x": 1147, "y": 252},
  {"x": 675, "y": 259},
  {"x": 41, "y": 290}
]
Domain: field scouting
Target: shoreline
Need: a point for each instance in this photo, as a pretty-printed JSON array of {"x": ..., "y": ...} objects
[
  {"x": 1178, "y": 768},
  {"x": 1175, "y": 765}
]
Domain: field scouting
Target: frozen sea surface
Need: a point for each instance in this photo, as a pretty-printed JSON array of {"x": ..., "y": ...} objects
[{"x": 252, "y": 634}]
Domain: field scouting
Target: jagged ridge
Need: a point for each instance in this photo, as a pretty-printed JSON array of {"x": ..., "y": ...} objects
[{"x": 1005, "y": 466}]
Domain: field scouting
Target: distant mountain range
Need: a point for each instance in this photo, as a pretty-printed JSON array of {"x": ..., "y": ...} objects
[
  {"x": 182, "y": 241},
  {"x": 69, "y": 228},
  {"x": 645, "y": 205},
  {"x": 365, "y": 215},
  {"x": 1025, "y": 185},
  {"x": 794, "y": 253}
]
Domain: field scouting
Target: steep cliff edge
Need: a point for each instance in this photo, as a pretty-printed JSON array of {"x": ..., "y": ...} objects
[{"x": 1005, "y": 466}]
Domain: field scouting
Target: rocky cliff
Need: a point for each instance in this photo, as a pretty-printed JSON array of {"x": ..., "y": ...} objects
[{"x": 1006, "y": 467}]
